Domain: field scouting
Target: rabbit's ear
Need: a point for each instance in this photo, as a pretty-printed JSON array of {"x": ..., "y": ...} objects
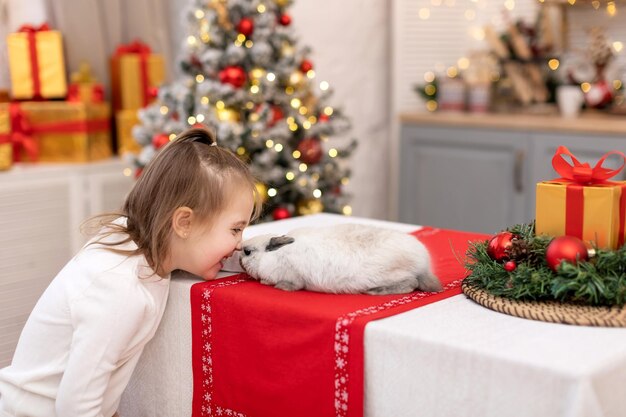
[{"x": 278, "y": 242}]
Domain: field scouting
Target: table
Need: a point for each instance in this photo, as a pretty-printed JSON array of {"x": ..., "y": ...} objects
[{"x": 449, "y": 358}]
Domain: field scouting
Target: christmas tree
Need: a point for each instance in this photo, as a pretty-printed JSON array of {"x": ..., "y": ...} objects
[{"x": 244, "y": 77}]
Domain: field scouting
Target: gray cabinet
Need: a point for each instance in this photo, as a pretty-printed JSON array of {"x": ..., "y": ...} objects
[
  {"x": 462, "y": 178},
  {"x": 483, "y": 179}
]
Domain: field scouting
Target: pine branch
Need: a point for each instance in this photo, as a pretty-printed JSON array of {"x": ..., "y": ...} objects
[{"x": 599, "y": 281}]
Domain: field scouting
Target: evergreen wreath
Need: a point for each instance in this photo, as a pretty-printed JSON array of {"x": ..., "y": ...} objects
[{"x": 598, "y": 281}]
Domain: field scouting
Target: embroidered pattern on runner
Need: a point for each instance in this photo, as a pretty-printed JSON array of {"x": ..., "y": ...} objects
[
  {"x": 207, "y": 359},
  {"x": 341, "y": 348},
  {"x": 342, "y": 345}
]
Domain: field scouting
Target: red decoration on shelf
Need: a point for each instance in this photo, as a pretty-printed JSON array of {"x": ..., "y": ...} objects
[
  {"x": 600, "y": 95},
  {"x": 233, "y": 75},
  {"x": 310, "y": 150},
  {"x": 284, "y": 19},
  {"x": 306, "y": 65},
  {"x": 160, "y": 140},
  {"x": 281, "y": 213},
  {"x": 499, "y": 244},
  {"x": 509, "y": 266},
  {"x": 565, "y": 248},
  {"x": 138, "y": 172},
  {"x": 246, "y": 26}
]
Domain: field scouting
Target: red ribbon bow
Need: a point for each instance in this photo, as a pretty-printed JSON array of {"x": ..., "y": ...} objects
[
  {"x": 32, "y": 29},
  {"x": 135, "y": 47},
  {"x": 20, "y": 135},
  {"x": 97, "y": 93},
  {"x": 582, "y": 173}
]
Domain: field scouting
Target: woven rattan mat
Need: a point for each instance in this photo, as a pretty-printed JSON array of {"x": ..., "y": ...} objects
[{"x": 550, "y": 311}]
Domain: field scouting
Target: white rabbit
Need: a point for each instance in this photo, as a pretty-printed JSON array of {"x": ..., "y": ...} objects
[{"x": 347, "y": 258}]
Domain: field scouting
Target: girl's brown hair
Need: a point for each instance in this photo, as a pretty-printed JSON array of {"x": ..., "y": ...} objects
[{"x": 190, "y": 171}]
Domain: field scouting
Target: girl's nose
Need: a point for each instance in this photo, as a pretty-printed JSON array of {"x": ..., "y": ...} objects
[{"x": 238, "y": 247}]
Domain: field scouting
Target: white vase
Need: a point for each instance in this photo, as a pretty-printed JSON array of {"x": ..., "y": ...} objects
[{"x": 570, "y": 99}]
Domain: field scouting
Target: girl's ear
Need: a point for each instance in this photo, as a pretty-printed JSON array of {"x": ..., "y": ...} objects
[{"x": 181, "y": 222}]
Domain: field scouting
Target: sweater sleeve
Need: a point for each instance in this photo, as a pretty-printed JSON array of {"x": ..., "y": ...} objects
[{"x": 105, "y": 319}]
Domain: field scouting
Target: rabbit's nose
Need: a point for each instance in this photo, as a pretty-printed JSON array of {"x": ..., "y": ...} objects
[{"x": 247, "y": 251}]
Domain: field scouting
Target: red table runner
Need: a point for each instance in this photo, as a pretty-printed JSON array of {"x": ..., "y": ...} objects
[{"x": 262, "y": 352}]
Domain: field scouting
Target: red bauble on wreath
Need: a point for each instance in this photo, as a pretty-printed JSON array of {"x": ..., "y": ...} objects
[
  {"x": 160, "y": 140},
  {"x": 499, "y": 244},
  {"x": 565, "y": 248},
  {"x": 246, "y": 26},
  {"x": 281, "y": 213},
  {"x": 310, "y": 150},
  {"x": 233, "y": 75},
  {"x": 509, "y": 266}
]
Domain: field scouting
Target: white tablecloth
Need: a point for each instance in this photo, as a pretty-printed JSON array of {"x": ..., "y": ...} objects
[{"x": 447, "y": 359}]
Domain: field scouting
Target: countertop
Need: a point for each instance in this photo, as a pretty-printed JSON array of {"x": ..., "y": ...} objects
[{"x": 587, "y": 122}]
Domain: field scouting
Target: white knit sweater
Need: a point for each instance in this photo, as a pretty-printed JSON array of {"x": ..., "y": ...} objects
[{"x": 84, "y": 337}]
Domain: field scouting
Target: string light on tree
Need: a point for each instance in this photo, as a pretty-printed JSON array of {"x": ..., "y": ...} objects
[{"x": 245, "y": 76}]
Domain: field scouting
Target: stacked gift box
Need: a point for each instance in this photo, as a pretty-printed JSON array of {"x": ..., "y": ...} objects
[
  {"x": 136, "y": 73},
  {"x": 584, "y": 202},
  {"x": 45, "y": 119},
  {"x": 42, "y": 122}
]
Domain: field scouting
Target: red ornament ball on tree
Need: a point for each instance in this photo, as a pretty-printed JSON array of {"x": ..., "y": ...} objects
[
  {"x": 276, "y": 115},
  {"x": 565, "y": 248},
  {"x": 306, "y": 65},
  {"x": 246, "y": 26},
  {"x": 284, "y": 19},
  {"x": 310, "y": 150},
  {"x": 233, "y": 75},
  {"x": 281, "y": 213},
  {"x": 323, "y": 117},
  {"x": 499, "y": 244},
  {"x": 153, "y": 92},
  {"x": 160, "y": 140}
]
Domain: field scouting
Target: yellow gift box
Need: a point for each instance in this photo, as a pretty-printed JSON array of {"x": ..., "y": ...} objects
[
  {"x": 124, "y": 121},
  {"x": 136, "y": 74},
  {"x": 84, "y": 87},
  {"x": 6, "y": 140},
  {"x": 6, "y": 156},
  {"x": 583, "y": 203},
  {"x": 61, "y": 131},
  {"x": 594, "y": 216},
  {"x": 36, "y": 63}
]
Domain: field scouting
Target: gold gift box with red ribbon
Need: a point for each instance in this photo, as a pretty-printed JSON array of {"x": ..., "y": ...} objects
[
  {"x": 6, "y": 146},
  {"x": 136, "y": 74},
  {"x": 124, "y": 121},
  {"x": 56, "y": 131},
  {"x": 583, "y": 203},
  {"x": 36, "y": 63},
  {"x": 84, "y": 87}
]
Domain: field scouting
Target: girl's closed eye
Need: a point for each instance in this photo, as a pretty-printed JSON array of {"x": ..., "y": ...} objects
[{"x": 237, "y": 230}]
